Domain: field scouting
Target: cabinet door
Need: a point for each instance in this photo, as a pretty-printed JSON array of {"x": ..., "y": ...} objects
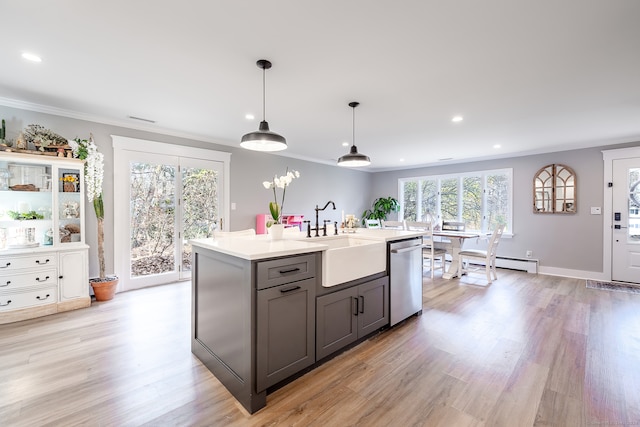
[
  {"x": 74, "y": 282},
  {"x": 337, "y": 322},
  {"x": 285, "y": 331},
  {"x": 373, "y": 305}
]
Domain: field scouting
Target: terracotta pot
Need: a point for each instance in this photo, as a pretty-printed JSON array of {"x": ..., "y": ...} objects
[{"x": 105, "y": 290}]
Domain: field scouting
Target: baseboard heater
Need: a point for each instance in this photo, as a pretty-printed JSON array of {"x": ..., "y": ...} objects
[{"x": 523, "y": 264}]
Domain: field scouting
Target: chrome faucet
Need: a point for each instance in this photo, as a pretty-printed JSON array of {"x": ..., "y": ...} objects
[{"x": 317, "y": 227}]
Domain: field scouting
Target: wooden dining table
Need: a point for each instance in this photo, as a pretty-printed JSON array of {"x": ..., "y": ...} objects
[{"x": 455, "y": 240}]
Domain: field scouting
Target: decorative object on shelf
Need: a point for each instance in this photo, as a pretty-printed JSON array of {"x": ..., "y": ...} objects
[
  {"x": 4, "y": 179},
  {"x": 4, "y": 142},
  {"x": 22, "y": 216},
  {"x": 555, "y": 190},
  {"x": 70, "y": 182},
  {"x": 279, "y": 182},
  {"x": 263, "y": 139},
  {"x": 87, "y": 150},
  {"x": 45, "y": 140},
  {"x": 354, "y": 159},
  {"x": 71, "y": 210},
  {"x": 381, "y": 207},
  {"x": 48, "y": 237},
  {"x": 23, "y": 187}
]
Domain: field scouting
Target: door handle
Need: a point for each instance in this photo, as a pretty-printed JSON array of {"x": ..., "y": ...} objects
[
  {"x": 355, "y": 303},
  {"x": 403, "y": 250},
  {"x": 289, "y": 289},
  {"x": 362, "y": 305}
]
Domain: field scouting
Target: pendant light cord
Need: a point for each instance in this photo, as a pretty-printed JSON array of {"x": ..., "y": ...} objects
[
  {"x": 264, "y": 91},
  {"x": 353, "y": 138}
]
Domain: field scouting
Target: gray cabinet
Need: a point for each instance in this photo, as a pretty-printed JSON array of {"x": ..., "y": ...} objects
[
  {"x": 285, "y": 331},
  {"x": 349, "y": 314},
  {"x": 253, "y": 321}
]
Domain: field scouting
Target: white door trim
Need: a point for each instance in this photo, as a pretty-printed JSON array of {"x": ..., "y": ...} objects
[{"x": 607, "y": 220}]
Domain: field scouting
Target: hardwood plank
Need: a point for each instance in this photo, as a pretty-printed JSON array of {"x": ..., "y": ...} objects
[{"x": 526, "y": 350}]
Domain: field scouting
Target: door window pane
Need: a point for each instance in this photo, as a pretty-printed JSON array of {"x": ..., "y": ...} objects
[
  {"x": 199, "y": 208},
  {"x": 634, "y": 205},
  {"x": 152, "y": 240}
]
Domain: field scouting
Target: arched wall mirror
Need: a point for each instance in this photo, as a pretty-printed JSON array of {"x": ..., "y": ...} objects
[{"x": 554, "y": 190}]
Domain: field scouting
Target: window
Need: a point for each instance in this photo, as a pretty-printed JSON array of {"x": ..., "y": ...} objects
[{"x": 482, "y": 200}]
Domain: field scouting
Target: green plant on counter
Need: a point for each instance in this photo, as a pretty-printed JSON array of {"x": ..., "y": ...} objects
[
  {"x": 381, "y": 208},
  {"x": 24, "y": 216}
]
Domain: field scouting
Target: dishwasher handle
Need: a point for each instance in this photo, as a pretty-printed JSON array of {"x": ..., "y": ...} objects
[{"x": 407, "y": 249}]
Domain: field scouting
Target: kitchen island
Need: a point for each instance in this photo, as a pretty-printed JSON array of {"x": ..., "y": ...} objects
[{"x": 261, "y": 312}]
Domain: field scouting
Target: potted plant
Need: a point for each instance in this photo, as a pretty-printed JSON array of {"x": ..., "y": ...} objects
[
  {"x": 275, "y": 226},
  {"x": 381, "y": 207},
  {"x": 104, "y": 287}
]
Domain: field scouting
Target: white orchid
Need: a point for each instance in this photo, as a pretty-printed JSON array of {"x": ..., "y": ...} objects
[{"x": 279, "y": 182}]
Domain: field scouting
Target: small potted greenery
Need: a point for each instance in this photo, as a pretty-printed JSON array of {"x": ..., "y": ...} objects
[
  {"x": 104, "y": 287},
  {"x": 381, "y": 207}
]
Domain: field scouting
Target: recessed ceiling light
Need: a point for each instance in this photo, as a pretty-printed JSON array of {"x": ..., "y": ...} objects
[
  {"x": 31, "y": 57},
  {"x": 497, "y": 146},
  {"x": 402, "y": 160},
  {"x": 345, "y": 144},
  {"x": 249, "y": 117},
  {"x": 444, "y": 159},
  {"x": 456, "y": 119}
]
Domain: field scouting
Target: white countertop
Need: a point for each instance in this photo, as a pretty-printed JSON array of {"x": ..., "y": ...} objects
[{"x": 261, "y": 246}]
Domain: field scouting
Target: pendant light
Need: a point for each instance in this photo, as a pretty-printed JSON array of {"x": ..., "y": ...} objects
[
  {"x": 354, "y": 159},
  {"x": 263, "y": 139}
]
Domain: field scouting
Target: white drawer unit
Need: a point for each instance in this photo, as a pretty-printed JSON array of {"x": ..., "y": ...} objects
[
  {"x": 43, "y": 256},
  {"x": 44, "y": 277},
  {"x": 11, "y": 264},
  {"x": 28, "y": 298}
]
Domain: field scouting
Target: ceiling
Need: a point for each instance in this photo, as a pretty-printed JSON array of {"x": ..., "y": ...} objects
[{"x": 530, "y": 76}]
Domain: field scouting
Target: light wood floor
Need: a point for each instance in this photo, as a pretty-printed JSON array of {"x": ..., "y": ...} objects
[{"x": 526, "y": 350}]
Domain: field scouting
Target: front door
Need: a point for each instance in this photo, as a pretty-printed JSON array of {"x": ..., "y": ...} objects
[{"x": 625, "y": 265}]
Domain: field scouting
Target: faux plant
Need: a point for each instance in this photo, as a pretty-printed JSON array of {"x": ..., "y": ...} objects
[
  {"x": 24, "y": 216},
  {"x": 39, "y": 135},
  {"x": 381, "y": 207},
  {"x": 94, "y": 172},
  {"x": 283, "y": 182}
]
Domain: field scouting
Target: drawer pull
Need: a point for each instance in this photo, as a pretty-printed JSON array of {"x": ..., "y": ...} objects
[
  {"x": 8, "y": 283},
  {"x": 4, "y": 305},
  {"x": 7, "y": 265},
  {"x": 289, "y": 289},
  {"x": 293, "y": 270},
  {"x": 362, "y": 304},
  {"x": 42, "y": 299},
  {"x": 42, "y": 263},
  {"x": 45, "y": 279}
]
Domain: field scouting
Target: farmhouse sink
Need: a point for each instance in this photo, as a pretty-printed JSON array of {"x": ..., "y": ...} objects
[{"x": 349, "y": 258}]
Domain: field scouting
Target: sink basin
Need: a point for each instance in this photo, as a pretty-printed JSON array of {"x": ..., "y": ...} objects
[{"x": 350, "y": 258}]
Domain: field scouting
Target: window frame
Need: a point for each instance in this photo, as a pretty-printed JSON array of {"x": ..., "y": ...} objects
[{"x": 482, "y": 174}]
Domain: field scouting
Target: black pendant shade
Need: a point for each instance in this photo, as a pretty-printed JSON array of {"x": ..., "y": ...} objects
[
  {"x": 354, "y": 159},
  {"x": 263, "y": 139}
]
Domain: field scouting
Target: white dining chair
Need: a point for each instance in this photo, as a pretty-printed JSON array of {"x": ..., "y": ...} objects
[
  {"x": 430, "y": 252},
  {"x": 392, "y": 225},
  {"x": 486, "y": 257},
  {"x": 372, "y": 223},
  {"x": 240, "y": 233}
]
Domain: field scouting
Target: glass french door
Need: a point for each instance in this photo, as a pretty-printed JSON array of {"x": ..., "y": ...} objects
[{"x": 170, "y": 200}]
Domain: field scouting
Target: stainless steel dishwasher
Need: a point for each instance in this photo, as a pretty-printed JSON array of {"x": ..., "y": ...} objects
[{"x": 405, "y": 279}]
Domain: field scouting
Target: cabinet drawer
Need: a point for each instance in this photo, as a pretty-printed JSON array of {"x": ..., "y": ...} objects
[
  {"x": 37, "y": 278},
  {"x": 31, "y": 261},
  {"x": 13, "y": 301},
  {"x": 285, "y": 270}
]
